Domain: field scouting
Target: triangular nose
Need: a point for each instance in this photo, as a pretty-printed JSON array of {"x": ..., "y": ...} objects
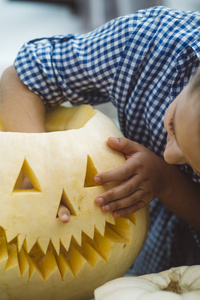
[{"x": 66, "y": 202}]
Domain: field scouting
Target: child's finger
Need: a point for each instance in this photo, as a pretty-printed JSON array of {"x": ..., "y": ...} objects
[{"x": 63, "y": 214}]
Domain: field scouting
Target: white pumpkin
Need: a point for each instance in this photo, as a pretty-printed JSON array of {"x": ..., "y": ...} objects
[
  {"x": 40, "y": 257},
  {"x": 181, "y": 283}
]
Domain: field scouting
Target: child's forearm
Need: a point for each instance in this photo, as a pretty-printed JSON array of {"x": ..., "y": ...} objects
[
  {"x": 23, "y": 111},
  {"x": 20, "y": 109}
]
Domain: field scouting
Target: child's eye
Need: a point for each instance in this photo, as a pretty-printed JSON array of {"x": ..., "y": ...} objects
[{"x": 171, "y": 127}]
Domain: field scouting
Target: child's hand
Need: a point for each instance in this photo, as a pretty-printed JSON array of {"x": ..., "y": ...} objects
[
  {"x": 140, "y": 179},
  {"x": 63, "y": 212}
]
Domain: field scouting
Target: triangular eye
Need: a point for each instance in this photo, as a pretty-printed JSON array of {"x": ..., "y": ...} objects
[
  {"x": 26, "y": 179},
  {"x": 91, "y": 171}
]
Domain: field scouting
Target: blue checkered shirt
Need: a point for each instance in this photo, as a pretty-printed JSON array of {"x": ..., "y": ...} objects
[{"x": 139, "y": 62}]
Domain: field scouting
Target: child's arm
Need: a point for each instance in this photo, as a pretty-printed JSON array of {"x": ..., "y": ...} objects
[{"x": 23, "y": 111}]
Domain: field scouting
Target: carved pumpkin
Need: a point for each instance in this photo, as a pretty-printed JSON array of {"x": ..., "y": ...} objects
[
  {"x": 182, "y": 283},
  {"x": 40, "y": 257}
]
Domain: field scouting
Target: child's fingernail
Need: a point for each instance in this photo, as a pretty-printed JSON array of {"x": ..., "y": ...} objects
[
  {"x": 97, "y": 179},
  {"x": 116, "y": 214},
  {"x": 116, "y": 140},
  {"x": 106, "y": 208},
  {"x": 99, "y": 200},
  {"x": 65, "y": 218}
]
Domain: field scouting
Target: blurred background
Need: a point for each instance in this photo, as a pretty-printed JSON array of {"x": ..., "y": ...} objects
[{"x": 22, "y": 20}]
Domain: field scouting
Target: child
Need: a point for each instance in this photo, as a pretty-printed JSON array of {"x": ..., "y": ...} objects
[{"x": 141, "y": 63}]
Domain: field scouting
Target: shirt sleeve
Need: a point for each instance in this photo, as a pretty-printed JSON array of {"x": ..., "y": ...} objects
[{"x": 78, "y": 68}]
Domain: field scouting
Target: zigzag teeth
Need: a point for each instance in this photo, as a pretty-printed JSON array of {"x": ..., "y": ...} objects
[
  {"x": 43, "y": 243},
  {"x": 121, "y": 231},
  {"x": 110, "y": 219},
  {"x": 20, "y": 241},
  {"x": 102, "y": 245},
  {"x": 34, "y": 270},
  {"x": 65, "y": 241},
  {"x": 101, "y": 228},
  {"x": 3, "y": 252},
  {"x": 91, "y": 254},
  {"x": 78, "y": 237},
  {"x": 56, "y": 244},
  {"x": 76, "y": 261},
  {"x": 29, "y": 243},
  {"x": 48, "y": 265},
  {"x": 132, "y": 218},
  {"x": 23, "y": 263},
  {"x": 12, "y": 260},
  {"x": 90, "y": 233},
  {"x": 10, "y": 235},
  {"x": 64, "y": 267},
  {"x": 68, "y": 256}
]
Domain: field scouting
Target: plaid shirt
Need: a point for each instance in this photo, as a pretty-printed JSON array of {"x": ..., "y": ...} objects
[{"x": 139, "y": 62}]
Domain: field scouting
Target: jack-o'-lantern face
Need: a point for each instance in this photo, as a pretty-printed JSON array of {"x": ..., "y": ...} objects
[{"x": 40, "y": 257}]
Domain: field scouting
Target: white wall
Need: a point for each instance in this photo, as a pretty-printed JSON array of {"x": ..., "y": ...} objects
[
  {"x": 183, "y": 4},
  {"x": 22, "y": 21}
]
